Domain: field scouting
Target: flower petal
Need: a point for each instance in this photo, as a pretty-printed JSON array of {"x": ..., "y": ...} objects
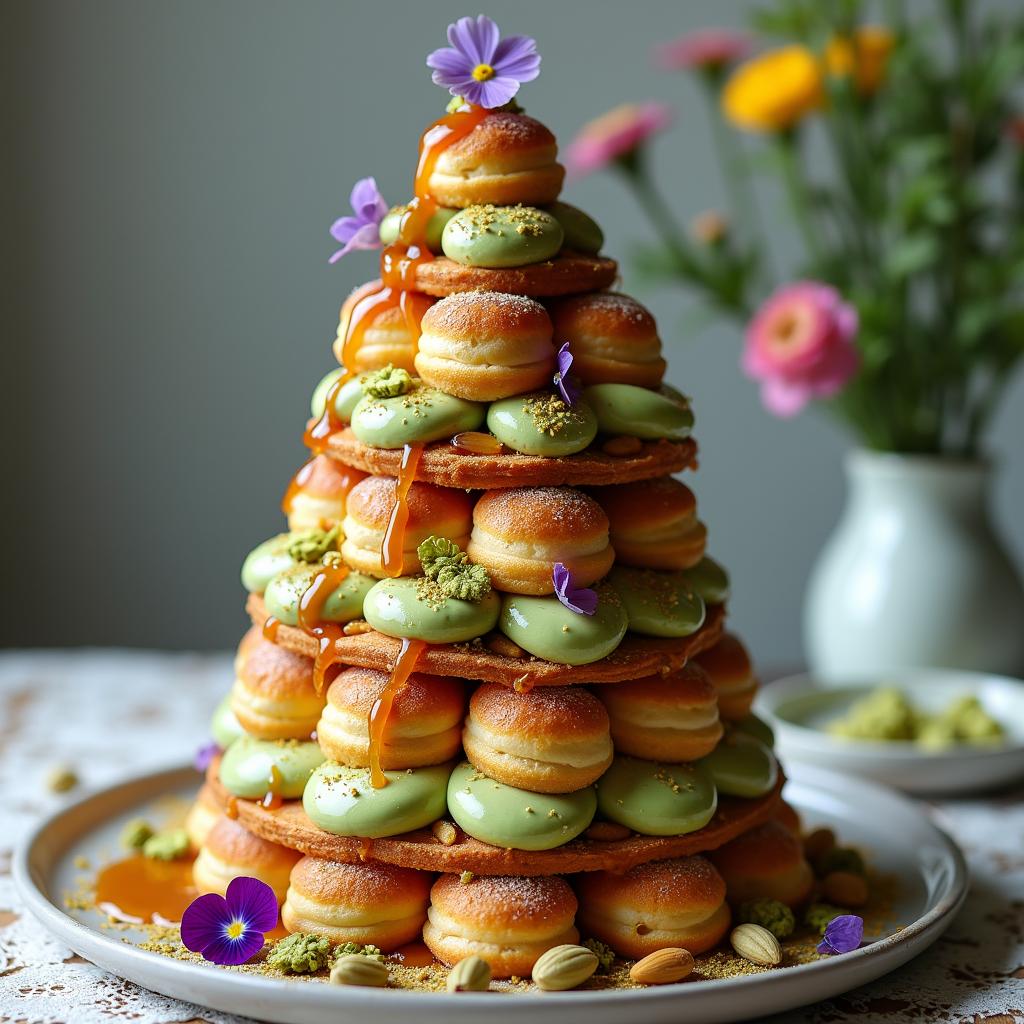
[
  {"x": 231, "y": 952},
  {"x": 367, "y": 237},
  {"x": 517, "y": 57},
  {"x": 449, "y": 62},
  {"x": 204, "y": 919},
  {"x": 252, "y": 901},
  {"x": 842, "y": 935},
  {"x": 364, "y": 194},
  {"x": 576, "y": 599},
  {"x": 204, "y": 755},
  {"x": 476, "y": 37},
  {"x": 495, "y": 92}
]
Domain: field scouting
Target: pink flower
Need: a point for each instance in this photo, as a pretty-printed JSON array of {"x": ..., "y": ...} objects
[
  {"x": 616, "y": 135},
  {"x": 708, "y": 48},
  {"x": 800, "y": 346}
]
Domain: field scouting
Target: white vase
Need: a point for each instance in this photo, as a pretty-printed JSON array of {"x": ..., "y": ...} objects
[{"x": 914, "y": 574}]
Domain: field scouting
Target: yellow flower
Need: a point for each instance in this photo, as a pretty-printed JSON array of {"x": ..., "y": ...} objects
[
  {"x": 772, "y": 92},
  {"x": 865, "y": 55}
]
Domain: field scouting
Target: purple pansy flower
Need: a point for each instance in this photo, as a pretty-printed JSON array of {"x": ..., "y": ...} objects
[
  {"x": 842, "y": 935},
  {"x": 480, "y": 66},
  {"x": 568, "y": 387},
  {"x": 204, "y": 755},
  {"x": 576, "y": 599},
  {"x": 361, "y": 231},
  {"x": 230, "y": 929}
]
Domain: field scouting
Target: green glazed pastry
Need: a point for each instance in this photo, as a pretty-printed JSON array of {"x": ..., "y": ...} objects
[
  {"x": 245, "y": 766},
  {"x": 657, "y": 799},
  {"x": 224, "y": 726},
  {"x": 435, "y": 226},
  {"x": 658, "y": 603},
  {"x": 756, "y": 727},
  {"x": 413, "y": 607},
  {"x": 540, "y": 423},
  {"x": 516, "y": 819},
  {"x": 501, "y": 236},
  {"x": 741, "y": 766},
  {"x": 344, "y": 401},
  {"x": 341, "y": 800},
  {"x": 708, "y": 580},
  {"x": 345, "y": 603},
  {"x": 545, "y": 628},
  {"x": 265, "y": 561},
  {"x": 582, "y": 232},
  {"x": 640, "y": 412},
  {"x": 422, "y": 414}
]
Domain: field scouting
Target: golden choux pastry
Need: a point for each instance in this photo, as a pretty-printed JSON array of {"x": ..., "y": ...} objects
[
  {"x": 369, "y": 903},
  {"x": 653, "y": 524},
  {"x": 439, "y": 511},
  {"x": 613, "y": 339},
  {"x": 273, "y": 696},
  {"x": 766, "y": 862},
  {"x": 486, "y": 345},
  {"x": 549, "y": 740},
  {"x": 424, "y": 726},
  {"x": 386, "y": 336},
  {"x": 666, "y": 903},
  {"x": 230, "y": 851},
  {"x": 509, "y": 921},
  {"x": 519, "y": 533},
  {"x": 728, "y": 665},
  {"x": 202, "y": 816},
  {"x": 672, "y": 717},
  {"x": 789, "y": 817},
  {"x": 316, "y": 497},
  {"x": 506, "y": 159}
]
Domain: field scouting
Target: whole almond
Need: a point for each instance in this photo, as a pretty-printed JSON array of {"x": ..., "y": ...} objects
[
  {"x": 470, "y": 975},
  {"x": 818, "y": 843},
  {"x": 563, "y": 967},
  {"x": 354, "y": 969},
  {"x": 756, "y": 944},
  {"x": 662, "y": 967},
  {"x": 845, "y": 889}
]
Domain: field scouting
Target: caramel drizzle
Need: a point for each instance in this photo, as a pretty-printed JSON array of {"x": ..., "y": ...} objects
[
  {"x": 405, "y": 663},
  {"x": 270, "y": 628},
  {"x": 272, "y": 799},
  {"x": 231, "y": 810},
  {"x": 297, "y": 482},
  {"x": 394, "y": 535},
  {"x": 311, "y": 606}
]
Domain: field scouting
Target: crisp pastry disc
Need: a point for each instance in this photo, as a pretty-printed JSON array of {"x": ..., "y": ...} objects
[
  {"x": 289, "y": 826},
  {"x": 566, "y": 274},
  {"x": 637, "y": 656},
  {"x": 445, "y": 466}
]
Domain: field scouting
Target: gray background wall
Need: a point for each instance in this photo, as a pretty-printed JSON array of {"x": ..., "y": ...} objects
[{"x": 175, "y": 167}]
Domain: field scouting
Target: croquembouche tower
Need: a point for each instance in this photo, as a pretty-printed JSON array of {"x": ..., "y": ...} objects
[{"x": 487, "y": 702}]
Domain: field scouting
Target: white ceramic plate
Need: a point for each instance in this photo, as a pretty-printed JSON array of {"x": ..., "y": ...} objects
[
  {"x": 897, "y": 834},
  {"x": 798, "y": 711}
]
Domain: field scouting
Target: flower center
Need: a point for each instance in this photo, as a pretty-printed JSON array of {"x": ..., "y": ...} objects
[
  {"x": 235, "y": 929},
  {"x": 483, "y": 72}
]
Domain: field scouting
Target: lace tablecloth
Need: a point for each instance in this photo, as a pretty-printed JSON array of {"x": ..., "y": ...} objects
[{"x": 108, "y": 714}]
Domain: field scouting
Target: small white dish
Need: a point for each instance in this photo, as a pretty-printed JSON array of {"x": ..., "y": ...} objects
[
  {"x": 898, "y": 836},
  {"x": 799, "y": 710}
]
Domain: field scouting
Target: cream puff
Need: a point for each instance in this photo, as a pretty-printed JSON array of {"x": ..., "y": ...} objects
[
  {"x": 667, "y": 903},
  {"x": 202, "y": 816},
  {"x": 728, "y": 665},
  {"x": 549, "y": 740},
  {"x": 315, "y": 499},
  {"x": 789, "y": 817},
  {"x": 505, "y": 159},
  {"x": 653, "y": 524},
  {"x": 371, "y": 903},
  {"x": 484, "y": 346},
  {"x": 671, "y": 717},
  {"x": 613, "y": 339},
  {"x": 231, "y": 850},
  {"x": 273, "y": 696},
  {"x": 519, "y": 533},
  {"x": 765, "y": 863},
  {"x": 386, "y": 338},
  {"x": 439, "y": 511},
  {"x": 509, "y": 921},
  {"x": 423, "y": 727}
]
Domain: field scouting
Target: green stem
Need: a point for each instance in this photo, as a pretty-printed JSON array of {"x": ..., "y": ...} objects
[{"x": 796, "y": 191}]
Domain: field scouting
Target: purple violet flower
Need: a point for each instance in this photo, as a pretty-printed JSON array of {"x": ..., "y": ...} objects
[
  {"x": 204, "y": 755},
  {"x": 577, "y": 599},
  {"x": 566, "y": 385},
  {"x": 480, "y": 66},
  {"x": 230, "y": 930},
  {"x": 363, "y": 230},
  {"x": 843, "y": 934}
]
